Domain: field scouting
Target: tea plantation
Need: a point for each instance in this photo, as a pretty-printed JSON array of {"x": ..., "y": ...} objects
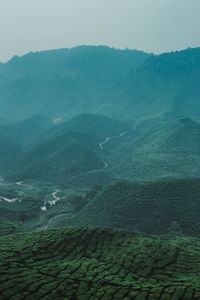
[{"x": 98, "y": 263}]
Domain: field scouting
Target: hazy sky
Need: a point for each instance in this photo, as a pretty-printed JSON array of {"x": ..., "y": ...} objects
[{"x": 149, "y": 25}]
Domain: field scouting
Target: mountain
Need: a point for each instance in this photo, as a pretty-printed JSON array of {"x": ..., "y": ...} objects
[
  {"x": 60, "y": 84},
  {"x": 124, "y": 84},
  {"x": 162, "y": 151},
  {"x": 75, "y": 263},
  {"x": 93, "y": 149},
  {"x": 163, "y": 84},
  {"x": 66, "y": 151},
  {"x": 16, "y": 136},
  {"x": 97, "y": 126},
  {"x": 151, "y": 207},
  {"x": 55, "y": 161},
  {"x": 8, "y": 148},
  {"x": 31, "y": 128}
]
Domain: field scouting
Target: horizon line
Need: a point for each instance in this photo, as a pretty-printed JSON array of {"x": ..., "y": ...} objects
[{"x": 93, "y": 45}]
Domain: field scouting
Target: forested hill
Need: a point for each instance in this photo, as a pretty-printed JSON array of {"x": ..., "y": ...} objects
[
  {"x": 128, "y": 84},
  {"x": 151, "y": 207},
  {"x": 164, "y": 84},
  {"x": 65, "y": 82}
]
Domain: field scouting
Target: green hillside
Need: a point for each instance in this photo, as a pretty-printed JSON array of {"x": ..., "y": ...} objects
[
  {"x": 31, "y": 128},
  {"x": 94, "y": 149},
  {"x": 66, "y": 150},
  {"x": 21, "y": 203},
  {"x": 166, "y": 150},
  {"x": 57, "y": 166},
  {"x": 166, "y": 83},
  {"x": 94, "y": 263},
  {"x": 154, "y": 208},
  {"x": 97, "y": 126},
  {"x": 10, "y": 228},
  {"x": 172, "y": 136},
  {"x": 16, "y": 136}
]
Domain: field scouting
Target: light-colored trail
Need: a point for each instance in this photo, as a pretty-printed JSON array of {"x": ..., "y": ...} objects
[
  {"x": 104, "y": 142},
  {"x": 9, "y": 200}
]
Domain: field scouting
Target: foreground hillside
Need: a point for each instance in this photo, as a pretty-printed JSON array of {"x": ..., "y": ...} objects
[{"x": 94, "y": 263}]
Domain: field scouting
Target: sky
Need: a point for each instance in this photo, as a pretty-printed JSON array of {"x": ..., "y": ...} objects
[{"x": 150, "y": 25}]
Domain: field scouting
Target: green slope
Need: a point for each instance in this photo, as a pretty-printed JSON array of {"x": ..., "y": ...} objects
[
  {"x": 15, "y": 136},
  {"x": 97, "y": 126},
  {"x": 30, "y": 129},
  {"x": 21, "y": 203},
  {"x": 92, "y": 263},
  {"x": 163, "y": 83},
  {"x": 67, "y": 150},
  {"x": 10, "y": 228},
  {"x": 154, "y": 208},
  {"x": 166, "y": 150},
  {"x": 57, "y": 166},
  {"x": 180, "y": 135},
  {"x": 93, "y": 149}
]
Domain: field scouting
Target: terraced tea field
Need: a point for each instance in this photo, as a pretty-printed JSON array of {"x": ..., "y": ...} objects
[{"x": 98, "y": 263}]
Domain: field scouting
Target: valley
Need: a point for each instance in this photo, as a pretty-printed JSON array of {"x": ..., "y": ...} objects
[
  {"x": 99, "y": 175},
  {"x": 92, "y": 150}
]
